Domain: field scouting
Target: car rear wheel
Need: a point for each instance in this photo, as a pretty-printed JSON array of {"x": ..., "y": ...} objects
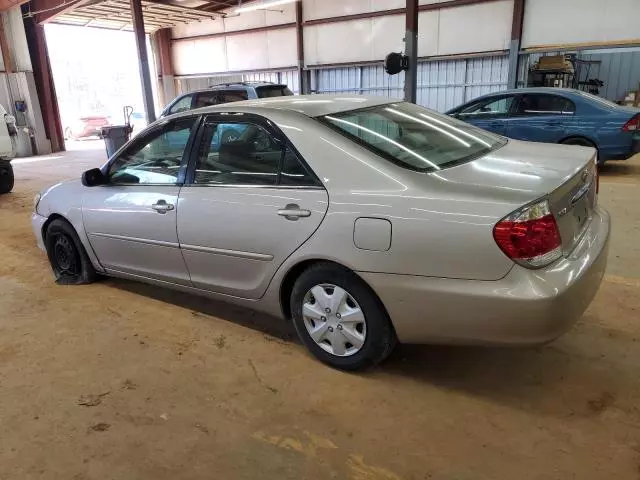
[
  {"x": 6, "y": 177},
  {"x": 339, "y": 319},
  {"x": 68, "y": 258}
]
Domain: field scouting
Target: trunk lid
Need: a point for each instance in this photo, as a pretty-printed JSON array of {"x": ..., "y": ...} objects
[{"x": 523, "y": 172}]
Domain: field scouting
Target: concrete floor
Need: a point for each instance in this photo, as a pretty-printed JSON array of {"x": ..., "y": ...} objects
[{"x": 118, "y": 380}]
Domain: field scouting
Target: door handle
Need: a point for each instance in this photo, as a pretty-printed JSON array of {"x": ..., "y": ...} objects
[
  {"x": 161, "y": 206},
  {"x": 293, "y": 212}
]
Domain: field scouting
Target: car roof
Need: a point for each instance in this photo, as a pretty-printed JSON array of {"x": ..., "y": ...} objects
[
  {"x": 236, "y": 85},
  {"x": 552, "y": 90},
  {"x": 311, "y": 105}
]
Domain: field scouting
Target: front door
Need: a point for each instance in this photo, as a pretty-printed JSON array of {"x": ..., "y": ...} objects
[
  {"x": 250, "y": 203},
  {"x": 131, "y": 221},
  {"x": 490, "y": 113},
  {"x": 541, "y": 117}
]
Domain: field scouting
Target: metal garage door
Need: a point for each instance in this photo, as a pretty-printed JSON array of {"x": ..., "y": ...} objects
[
  {"x": 442, "y": 84},
  {"x": 288, "y": 77}
]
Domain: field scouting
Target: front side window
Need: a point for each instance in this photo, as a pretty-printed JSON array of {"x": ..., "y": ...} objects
[
  {"x": 155, "y": 158},
  {"x": 489, "y": 108},
  {"x": 545, "y": 105},
  {"x": 412, "y": 136},
  {"x": 181, "y": 105}
]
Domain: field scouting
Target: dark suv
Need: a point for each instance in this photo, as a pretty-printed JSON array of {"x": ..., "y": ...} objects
[{"x": 225, "y": 93}]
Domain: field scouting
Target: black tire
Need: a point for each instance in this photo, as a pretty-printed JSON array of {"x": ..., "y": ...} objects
[
  {"x": 380, "y": 338},
  {"x": 67, "y": 256},
  {"x": 6, "y": 177}
]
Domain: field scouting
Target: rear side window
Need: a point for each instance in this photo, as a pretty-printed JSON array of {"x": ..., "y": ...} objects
[
  {"x": 206, "y": 99},
  {"x": 228, "y": 96},
  {"x": 273, "y": 91},
  {"x": 413, "y": 136},
  {"x": 545, "y": 105}
]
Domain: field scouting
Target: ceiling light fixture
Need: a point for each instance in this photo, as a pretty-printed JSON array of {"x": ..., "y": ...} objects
[{"x": 263, "y": 5}]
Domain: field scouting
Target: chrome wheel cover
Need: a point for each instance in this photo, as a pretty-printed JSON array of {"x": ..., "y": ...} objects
[{"x": 334, "y": 320}]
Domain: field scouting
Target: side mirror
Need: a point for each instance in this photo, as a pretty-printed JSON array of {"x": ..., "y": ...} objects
[{"x": 93, "y": 177}]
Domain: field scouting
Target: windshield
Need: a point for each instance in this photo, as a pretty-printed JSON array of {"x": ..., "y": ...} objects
[
  {"x": 273, "y": 91},
  {"x": 414, "y": 137}
]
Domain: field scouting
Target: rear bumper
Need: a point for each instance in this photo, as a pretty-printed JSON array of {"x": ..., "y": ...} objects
[
  {"x": 623, "y": 152},
  {"x": 526, "y": 307}
]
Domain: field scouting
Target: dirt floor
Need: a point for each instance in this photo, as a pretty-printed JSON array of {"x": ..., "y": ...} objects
[{"x": 118, "y": 380}]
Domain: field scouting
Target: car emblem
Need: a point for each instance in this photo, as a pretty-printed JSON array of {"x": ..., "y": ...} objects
[
  {"x": 563, "y": 212},
  {"x": 585, "y": 174}
]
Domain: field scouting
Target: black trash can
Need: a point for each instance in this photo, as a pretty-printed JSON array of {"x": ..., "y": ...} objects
[{"x": 115, "y": 136}]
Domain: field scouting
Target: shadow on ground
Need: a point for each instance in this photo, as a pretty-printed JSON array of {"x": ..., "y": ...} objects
[{"x": 202, "y": 306}]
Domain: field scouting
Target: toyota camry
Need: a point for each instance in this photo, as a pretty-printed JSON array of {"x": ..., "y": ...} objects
[{"x": 365, "y": 221}]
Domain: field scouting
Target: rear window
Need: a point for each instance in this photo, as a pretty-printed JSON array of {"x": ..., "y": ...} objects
[
  {"x": 414, "y": 137},
  {"x": 273, "y": 91}
]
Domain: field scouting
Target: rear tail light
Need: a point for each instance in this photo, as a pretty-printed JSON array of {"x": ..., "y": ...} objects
[
  {"x": 632, "y": 125},
  {"x": 530, "y": 236}
]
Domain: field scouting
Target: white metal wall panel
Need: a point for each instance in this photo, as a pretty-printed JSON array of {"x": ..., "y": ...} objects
[
  {"x": 270, "y": 49},
  {"x": 459, "y": 30},
  {"x": 233, "y": 22},
  {"x": 475, "y": 28},
  {"x": 314, "y": 9},
  {"x": 375, "y": 81},
  {"x": 442, "y": 84},
  {"x": 288, "y": 77},
  {"x": 486, "y": 75},
  {"x": 553, "y": 22}
]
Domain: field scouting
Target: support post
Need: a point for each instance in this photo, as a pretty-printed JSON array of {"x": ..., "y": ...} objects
[
  {"x": 304, "y": 77},
  {"x": 162, "y": 41},
  {"x": 143, "y": 60},
  {"x": 514, "y": 45},
  {"x": 411, "y": 51}
]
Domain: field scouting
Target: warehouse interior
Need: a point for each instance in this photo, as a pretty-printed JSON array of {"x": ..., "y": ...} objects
[{"x": 120, "y": 379}]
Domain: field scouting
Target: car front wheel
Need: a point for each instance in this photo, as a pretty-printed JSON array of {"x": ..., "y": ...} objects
[
  {"x": 6, "y": 177},
  {"x": 339, "y": 319},
  {"x": 68, "y": 258}
]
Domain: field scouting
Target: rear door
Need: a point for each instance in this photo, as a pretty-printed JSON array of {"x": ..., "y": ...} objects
[
  {"x": 489, "y": 113},
  {"x": 541, "y": 118},
  {"x": 248, "y": 204}
]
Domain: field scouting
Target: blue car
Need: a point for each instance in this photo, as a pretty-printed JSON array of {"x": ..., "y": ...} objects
[{"x": 557, "y": 115}]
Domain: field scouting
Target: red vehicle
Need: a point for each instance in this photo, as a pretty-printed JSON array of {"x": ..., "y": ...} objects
[{"x": 85, "y": 127}]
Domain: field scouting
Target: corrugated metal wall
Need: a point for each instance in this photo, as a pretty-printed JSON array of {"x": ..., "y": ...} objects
[
  {"x": 288, "y": 77},
  {"x": 619, "y": 70},
  {"x": 442, "y": 84}
]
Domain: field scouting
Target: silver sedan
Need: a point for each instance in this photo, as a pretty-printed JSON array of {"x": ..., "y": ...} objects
[{"x": 364, "y": 220}]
